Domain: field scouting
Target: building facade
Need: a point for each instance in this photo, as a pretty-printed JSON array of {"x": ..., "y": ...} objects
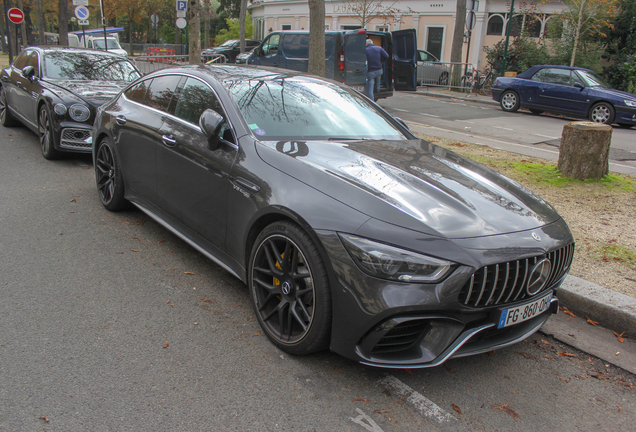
[{"x": 434, "y": 21}]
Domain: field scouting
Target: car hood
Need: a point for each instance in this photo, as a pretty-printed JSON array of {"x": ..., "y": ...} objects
[
  {"x": 93, "y": 92},
  {"x": 615, "y": 93},
  {"x": 413, "y": 184}
]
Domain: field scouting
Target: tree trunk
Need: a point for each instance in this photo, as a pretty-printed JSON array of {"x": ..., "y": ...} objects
[
  {"x": 41, "y": 22},
  {"x": 131, "y": 14},
  {"x": 63, "y": 23},
  {"x": 242, "y": 15},
  {"x": 458, "y": 41},
  {"x": 23, "y": 27},
  {"x": 206, "y": 24},
  {"x": 577, "y": 34},
  {"x": 317, "y": 37},
  {"x": 195, "y": 32},
  {"x": 584, "y": 150}
]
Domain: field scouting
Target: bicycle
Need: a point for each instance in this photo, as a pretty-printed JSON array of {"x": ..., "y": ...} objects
[{"x": 478, "y": 81}]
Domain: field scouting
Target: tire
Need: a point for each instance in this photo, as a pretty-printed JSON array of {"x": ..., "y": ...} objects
[
  {"x": 488, "y": 83},
  {"x": 6, "y": 118},
  {"x": 46, "y": 134},
  {"x": 510, "y": 101},
  {"x": 289, "y": 289},
  {"x": 466, "y": 83},
  {"x": 625, "y": 125},
  {"x": 108, "y": 177},
  {"x": 602, "y": 112},
  {"x": 443, "y": 79},
  {"x": 535, "y": 111}
]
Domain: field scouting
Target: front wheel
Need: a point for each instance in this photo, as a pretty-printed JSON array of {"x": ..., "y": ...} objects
[
  {"x": 602, "y": 112},
  {"x": 6, "y": 118},
  {"x": 443, "y": 79},
  {"x": 110, "y": 182},
  {"x": 45, "y": 131},
  {"x": 289, "y": 289},
  {"x": 510, "y": 101}
]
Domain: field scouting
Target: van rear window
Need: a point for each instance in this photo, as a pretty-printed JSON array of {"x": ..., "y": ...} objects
[{"x": 296, "y": 46}]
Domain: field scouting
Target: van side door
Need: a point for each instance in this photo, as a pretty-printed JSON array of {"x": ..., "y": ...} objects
[
  {"x": 268, "y": 53},
  {"x": 355, "y": 57},
  {"x": 405, "y": 59}
]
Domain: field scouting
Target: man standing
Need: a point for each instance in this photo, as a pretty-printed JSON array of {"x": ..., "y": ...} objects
[{"x": 375, "y": 56}]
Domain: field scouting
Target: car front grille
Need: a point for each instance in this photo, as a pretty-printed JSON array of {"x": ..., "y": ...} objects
[
  {"x": 504, "y": 283},
  {"x": 401, "y": 337},
  {"x": 76, "y": 139}
]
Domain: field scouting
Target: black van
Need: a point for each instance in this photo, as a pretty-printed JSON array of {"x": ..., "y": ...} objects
[{"x": 345, "y": 56}]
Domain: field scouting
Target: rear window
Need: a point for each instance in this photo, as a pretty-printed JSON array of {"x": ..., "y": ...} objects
[{"x": 296, "y": 46}]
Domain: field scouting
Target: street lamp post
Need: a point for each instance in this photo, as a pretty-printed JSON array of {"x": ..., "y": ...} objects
[{"x": 505, "y": 56}]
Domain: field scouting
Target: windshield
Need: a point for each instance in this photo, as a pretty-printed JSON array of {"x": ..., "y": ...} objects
[
  {"x": 592, "y": 80},
  {"x": 228, "y": 43},
  {"x": 111, "y": 43},
  {"x": 306, "y": 109},
  {"x": 88, "y": 67}
]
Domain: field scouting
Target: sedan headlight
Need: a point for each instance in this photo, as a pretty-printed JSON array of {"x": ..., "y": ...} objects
[
  {"x": 59, "y": 109},
  {"x": 79, "y": 112},
  {"x": 389, "y": 262},
  {"x": 630, "y": 103}
]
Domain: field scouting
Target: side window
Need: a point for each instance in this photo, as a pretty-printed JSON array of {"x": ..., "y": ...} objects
[
  {"x": 270, "y": 46},
  {"x": 196, "y": 97},
  {"x": 34, "y": 61},
  {"x": 297, "y": 46},
  {"x": 557, "y": 76},
  {"x": 161, "y": 91},
  {"x": 21, "y": 61},
  {"x": 251, "y": 44},
  {"x": 137, "y": 92},
  {"x": 539, "y": 76}
]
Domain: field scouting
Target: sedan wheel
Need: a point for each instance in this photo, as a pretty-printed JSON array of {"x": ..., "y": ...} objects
[
  {"x": 443, "y": 79},
  {"x": 45, "y": 129},
  {"x": 6, "y": 118},
  {"x": 110, "y": 184},
  {"x": 289, "y": 288},
  {"x": 602, "y": 112},
  {"x": 510, "y": 101}
]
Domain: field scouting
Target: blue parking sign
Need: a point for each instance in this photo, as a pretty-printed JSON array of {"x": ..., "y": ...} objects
[{"x": 182, "y": 5}]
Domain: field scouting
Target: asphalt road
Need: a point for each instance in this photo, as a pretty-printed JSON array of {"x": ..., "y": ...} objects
[
  {"x": 110, "y": 323},
  {"x": 479, "y": 123}
]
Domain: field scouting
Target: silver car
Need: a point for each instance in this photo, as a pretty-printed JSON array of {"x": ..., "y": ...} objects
[{"x": 430, "y": 70}]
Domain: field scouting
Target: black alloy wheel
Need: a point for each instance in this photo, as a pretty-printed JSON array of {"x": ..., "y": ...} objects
[
  {"x": 6, "y": 118},
  {"x": 110, "y": 184},
  {"x": 289, "y": 289},
  {"x": 45, "y": 131},
  {"x": 443, "y": 79}
]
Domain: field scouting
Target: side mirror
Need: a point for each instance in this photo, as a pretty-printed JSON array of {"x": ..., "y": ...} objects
[
  {"x": 402, "y": 122},
  {"x": 28, "y": 72},
  {"x": 578, "y": 85},
  {"x": 210, "y": 123}
]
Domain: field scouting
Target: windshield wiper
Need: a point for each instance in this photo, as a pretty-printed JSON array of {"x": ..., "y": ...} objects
[{"x": 347, "y": 139}]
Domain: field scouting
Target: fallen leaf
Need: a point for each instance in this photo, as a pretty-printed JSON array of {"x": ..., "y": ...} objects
[
  {"x": 548, "y": 357},
  {"x": 166, "y": 345},
  {"x": 619, "y": 336},
  {"x": 258, "y": 334},
  {"x": 379, "y": 411},
  {"x": 360, "y": 400},
  {"x": 619, "y": 408},
  {"x": 73, "y": 200},
  {"x": 456, "y": 408},
  {"x": 408, "y": 371},
  {"x": 47, "y": 420},
  {"x": 160, "y": 242},
  {"x": 189, "y": 273},
  {"x": 564, "y": 379},
  {"x": 135, "y": 250},
  {"x": 564, "y": 354},
  {"x": 196, "y": 323},
  {"x": 567, "y": 312},
  {"x": 205, "y": 300},
  {"x": 506, "y": 408},
  {"x": 589, "y": 321},
  {"x": 545, "y": 341},
  {"x": 491, "y": 353},
  {"x": 450, "y": 369}
]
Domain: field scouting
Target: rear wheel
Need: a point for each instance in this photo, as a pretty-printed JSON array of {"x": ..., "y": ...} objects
[
  {"x": 110, "y": 182},
  {"x": 510, "y": 101},
  {"x": 443, "y": 79},
  {"x": 6, "y": 118},
  {"x": 289, "y": 289},
  {"x": 45, "y": 131},
  {"x": 466, "y": 83},
  {"x": 602, "y": 112}
]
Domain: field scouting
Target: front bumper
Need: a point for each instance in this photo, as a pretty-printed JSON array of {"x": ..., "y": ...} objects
[{"x": 625, "y": 115}]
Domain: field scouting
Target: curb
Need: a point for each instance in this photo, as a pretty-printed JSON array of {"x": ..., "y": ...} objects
[
  {"x": 459, "y": 96},
  {"x": 612, "y": 309}
]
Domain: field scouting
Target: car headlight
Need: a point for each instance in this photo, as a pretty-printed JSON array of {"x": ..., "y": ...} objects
[
  {"x": 389, "y": 262},
  {"x": 630, "y": 103},
  {"x": 60, "y": 109},
  {"x": 79, "y": 112}
]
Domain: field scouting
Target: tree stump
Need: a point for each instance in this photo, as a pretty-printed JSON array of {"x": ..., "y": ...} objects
[{"x": 584, "y": 151}]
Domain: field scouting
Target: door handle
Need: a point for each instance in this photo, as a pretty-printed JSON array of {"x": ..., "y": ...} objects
[
  {"x": 169, "y": 140},
  {"x": 120, "y": 119}
]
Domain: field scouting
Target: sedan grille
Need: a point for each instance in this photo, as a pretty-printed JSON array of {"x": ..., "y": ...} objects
[
  {"x": 504, "y": 283},
  {"x": 76, "y": 138},
  {"x": 401, "y": 337}
]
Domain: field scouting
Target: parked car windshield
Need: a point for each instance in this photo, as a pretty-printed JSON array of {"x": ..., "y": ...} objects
[
  {"x": 303, "y": 108},
  {"x": 593, "y": 80},
  {"x": 88, "y": 67},
  {"x": 228, "y": 43},
  {"x": 111, "y": 43}
]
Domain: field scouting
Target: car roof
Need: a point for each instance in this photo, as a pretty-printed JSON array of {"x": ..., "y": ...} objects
[
  {"x": 531, "y": 71},
  {"x": 57, "y": 48}
]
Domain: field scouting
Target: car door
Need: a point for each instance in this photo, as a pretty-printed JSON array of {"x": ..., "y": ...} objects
[
  {"x": 268, "y": 54},
  {"x": 193, "y": 180},
  {"x": 12, "y": 85},
  {"x": 136, "y": 129},
  {"x": 29, "y": 89},
  {"x": 557, "y": 92},
  {"x": 405, "y": 59},
  {"x": 355, "y": 57}
]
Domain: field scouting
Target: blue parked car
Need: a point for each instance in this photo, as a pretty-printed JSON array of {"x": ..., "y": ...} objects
[{"x": 566, "y": 90}]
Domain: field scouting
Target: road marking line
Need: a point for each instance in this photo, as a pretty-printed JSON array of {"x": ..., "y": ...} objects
[
  {"x": 424, "y": 406},
  {"x": 429, "y": 115},
  {"x": 504, "y": 128},
  {"x": 401, "y": 110},
  {"x": 371, "y": 426},
  {"x": 546, "y": 136},
  {"x": 466, "y": 121}
]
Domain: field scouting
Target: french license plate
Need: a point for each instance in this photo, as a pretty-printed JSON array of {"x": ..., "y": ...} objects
[{"x": 525, "y": 312}]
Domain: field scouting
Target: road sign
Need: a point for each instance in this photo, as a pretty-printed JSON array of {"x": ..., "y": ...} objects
[
  {"x": 80, "y": 2},
  {"x": 154, "y": 18},
  {"x": 470, "y": 20},
  {"x": 81, "y": 12},
  {"x": 181, "y": 22},
  {"x": 181, "y": 14},
  {"x": 182, "y": 5},
  {"x": 83, "y": 22},
  {"x": 16, "y": 16}
]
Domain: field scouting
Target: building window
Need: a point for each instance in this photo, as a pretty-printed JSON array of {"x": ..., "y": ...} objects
[
  {"x": 350, "y": 27},
  {"x": 495, "y": 25},
  {"x": 382, "y": 28},
  {"x": 286, "y": 27},
  {"x": 327, "y": 26}
]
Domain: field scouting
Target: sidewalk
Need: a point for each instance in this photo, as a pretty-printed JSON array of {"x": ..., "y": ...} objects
[{"x": 615, "y": 312}]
